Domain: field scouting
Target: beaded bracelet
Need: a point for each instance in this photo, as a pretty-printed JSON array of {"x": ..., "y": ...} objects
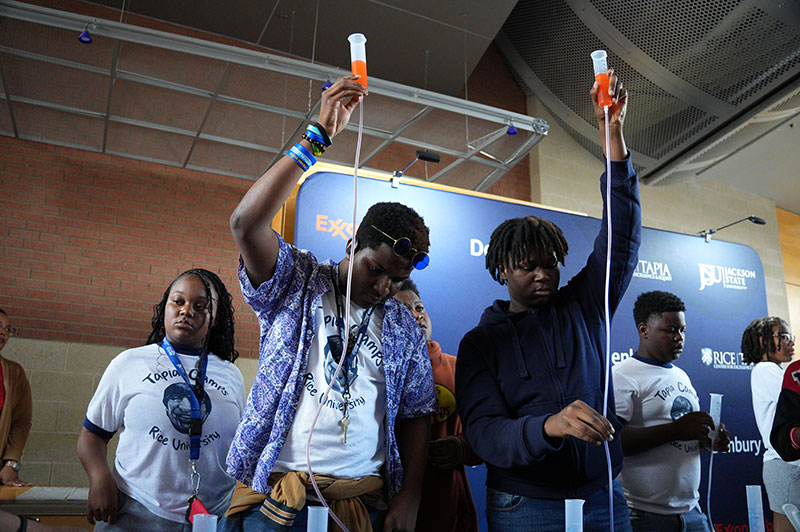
[
  {"x": 301, "y": 156},
  {"x": 316, "y": 142}
]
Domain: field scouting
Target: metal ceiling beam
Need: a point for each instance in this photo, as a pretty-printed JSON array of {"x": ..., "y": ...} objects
[
  {"x": 624, "y": 48},
  {"x": 257, "y": 59},
  {"x": 52, "y": 60},
  {"x": 7, "y": 95},
  {"x": 207, "y": 113},
  {"x": 559, "y": 108},
  {"x": 111, "y": 81},
  {"x": 516, "y": 156},
  {"x": 485, "y": 141},
  {"x": 394, "y": 135}
]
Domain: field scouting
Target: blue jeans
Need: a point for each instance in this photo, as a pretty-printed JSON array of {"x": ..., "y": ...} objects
[
  {"x": 250, "y": 522},
  {"x": 691, "y": 521},
  {"x": 515, "y": 513}
]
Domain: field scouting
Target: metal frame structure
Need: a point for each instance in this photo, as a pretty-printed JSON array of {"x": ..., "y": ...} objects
[{"x": 476, "y": 151}]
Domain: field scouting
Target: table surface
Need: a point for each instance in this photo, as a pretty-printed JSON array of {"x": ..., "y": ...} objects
[{"x": 44, "y": 500}]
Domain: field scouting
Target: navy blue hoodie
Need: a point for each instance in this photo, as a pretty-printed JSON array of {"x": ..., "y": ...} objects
[{"x": 514, "y": 370}]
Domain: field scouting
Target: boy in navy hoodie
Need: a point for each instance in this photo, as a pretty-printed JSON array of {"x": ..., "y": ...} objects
[{"x": 530, "y": 375}]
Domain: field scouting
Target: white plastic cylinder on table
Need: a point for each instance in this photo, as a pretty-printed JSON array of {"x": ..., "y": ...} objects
[
  {"x": 573, "y": 512},
  {"x": 755, "y": 509},
  {"x": 716, "y": 414},
  {"x": 317, "y": 519},
  {"x": 204, "y": 523}
]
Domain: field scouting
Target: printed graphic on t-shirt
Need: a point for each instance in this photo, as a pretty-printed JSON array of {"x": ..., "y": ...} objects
[
  {"x": 681, "y": 405},
  {"x": 178, "y": 409},
  {"x": 179, "y": 406},
  {"x": 447, "y": 403},
  {"x": 333, "y": 354}
]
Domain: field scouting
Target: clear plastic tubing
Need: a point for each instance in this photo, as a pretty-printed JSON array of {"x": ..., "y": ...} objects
[
  {"x": 358, "y": 57},
  {"x": 317, "y": 519},
  {"x": 755, "y": 510},
  {"x": 605, "y": 101},
  {"x": 716, "y": 413},
  {"x": 573, "y": 513},
  {"x": 600, "y": 62}
]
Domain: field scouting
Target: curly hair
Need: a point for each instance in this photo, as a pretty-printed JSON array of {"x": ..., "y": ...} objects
[
  {"x": 757, "y": 339},
  {"x": 397, "y": 221},
  {"x": 408, "y": 284},
  {"x": 513, "y": 241},
  {"x": 220, "y": 336},
  {"x": 655, "y": 303}
]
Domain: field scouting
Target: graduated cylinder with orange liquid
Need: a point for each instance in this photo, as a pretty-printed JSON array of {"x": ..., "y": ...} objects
[
  {"x": 600, "y": 61},
  {"x": 358, "y": 56}
]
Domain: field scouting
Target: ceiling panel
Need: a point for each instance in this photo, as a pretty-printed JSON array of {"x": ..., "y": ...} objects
[
  {"x": 148, "y": 144},
  {"x": 219, "y": 157},
  {"x": 59, "y": 85},
  {"x": 59, "y": 127}
]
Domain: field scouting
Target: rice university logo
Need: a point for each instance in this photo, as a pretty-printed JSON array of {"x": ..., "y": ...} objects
[
  {"x": 723, "y": 359},
  {"x": 707, "y": 356},
  {"x": 729, "y": 277}
]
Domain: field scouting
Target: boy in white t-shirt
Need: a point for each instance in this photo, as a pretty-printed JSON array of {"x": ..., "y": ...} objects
[{"x": 664, "y": 429}]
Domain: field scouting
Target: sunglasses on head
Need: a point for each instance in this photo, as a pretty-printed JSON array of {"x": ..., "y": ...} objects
[{"x": 402, "y": 247}]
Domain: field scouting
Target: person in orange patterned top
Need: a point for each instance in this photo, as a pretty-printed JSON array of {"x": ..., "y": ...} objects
[{"x": 447, "y": 504}]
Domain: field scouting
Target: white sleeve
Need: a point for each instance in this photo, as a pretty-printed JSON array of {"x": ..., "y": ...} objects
[
  {"x": 107, "y": 406},
  {"x": 765, "y": 385},
  {"x": 625, "y": 393}
]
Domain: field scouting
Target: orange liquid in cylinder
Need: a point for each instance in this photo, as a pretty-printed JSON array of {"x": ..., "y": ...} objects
[
  {"x": 603, "y": 98},
  {"x": 360, "y": 69}
]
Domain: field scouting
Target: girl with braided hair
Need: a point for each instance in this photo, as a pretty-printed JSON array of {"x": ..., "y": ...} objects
[
  {"x": 768, "y": 343},
  {"x": 175, "y": 402}
]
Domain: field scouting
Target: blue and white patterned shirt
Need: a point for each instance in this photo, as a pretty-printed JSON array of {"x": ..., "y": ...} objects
[{"x": 285, "y": 307}]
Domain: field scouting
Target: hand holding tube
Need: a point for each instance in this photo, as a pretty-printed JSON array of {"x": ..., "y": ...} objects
[
  {"x": 338, "y": 103},
  {"x": 581, "y": 421},
  {"x": 616, "y": 115}
]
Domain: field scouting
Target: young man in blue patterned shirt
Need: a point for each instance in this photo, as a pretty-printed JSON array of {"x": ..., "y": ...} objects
[{"x": 370, "y": 442}]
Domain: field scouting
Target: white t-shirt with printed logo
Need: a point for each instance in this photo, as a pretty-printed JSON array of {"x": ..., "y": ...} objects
[
  {"x": 143, "y": 396},
  {"x": 365, "y": 451},
  {"x": 664, "y": 479}
]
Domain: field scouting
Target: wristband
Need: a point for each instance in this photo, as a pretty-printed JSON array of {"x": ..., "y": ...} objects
[
  {"x": 302, "y": 156},
  {"x": 317, "y": 128},
  {"x": 794, "y": 438},
  {"x": 316, "y": 142}
]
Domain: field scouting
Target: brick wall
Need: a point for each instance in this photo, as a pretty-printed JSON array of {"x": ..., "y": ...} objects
[{"x": 91, "y": 241}]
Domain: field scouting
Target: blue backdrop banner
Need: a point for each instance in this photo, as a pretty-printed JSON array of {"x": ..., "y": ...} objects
[{"x": 722, "y": 284}]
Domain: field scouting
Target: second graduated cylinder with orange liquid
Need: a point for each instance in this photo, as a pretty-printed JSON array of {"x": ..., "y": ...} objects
[{"x": 604, "y": 99}]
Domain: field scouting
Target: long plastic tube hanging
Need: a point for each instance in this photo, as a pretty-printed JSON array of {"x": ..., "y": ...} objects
[
  {"x": 358, "y": 59},
  {"x": 605, "y": 100},
  {"x": 716, "y": 414}
]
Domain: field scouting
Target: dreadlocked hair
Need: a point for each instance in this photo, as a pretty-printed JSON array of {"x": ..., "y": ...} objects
[
  {"x": 513, "y": 241},
  {"x": 655, "y": 303},
  {"x": 397, "y": 221},
  {"x": 757, "y": 339},
  {"x": 220, "y": 336}
]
